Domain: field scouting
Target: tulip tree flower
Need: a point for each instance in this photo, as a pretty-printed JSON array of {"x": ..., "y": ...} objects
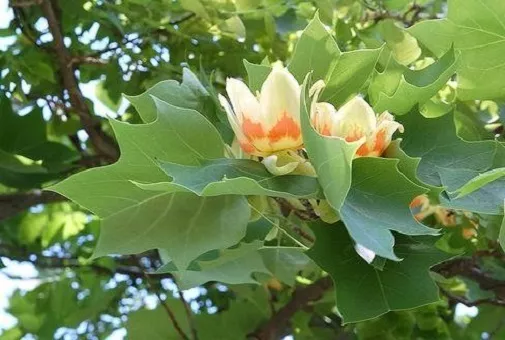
[
  {"x": 422, "y": 208},
  {"x": 269, "y": 122},
  {"x": 354, "y": 121}
]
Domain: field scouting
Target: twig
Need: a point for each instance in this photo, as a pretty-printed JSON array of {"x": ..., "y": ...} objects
[
  {"x": 24, "y": 3},
  {"x": 300, "y": 298},
  {"x": 182, "y": 19},
  {"x": 103, "y": 144},
  {"x": 307, "y": 214},
  {"x": 16, "y": 253},
  {"x": 12, "y": 204},
  {"x": 87, "y": 60},
  {"x": 469, "y": 303},
  {"x": 189, "y": 315},
  {"x": 165, "y": 306}
]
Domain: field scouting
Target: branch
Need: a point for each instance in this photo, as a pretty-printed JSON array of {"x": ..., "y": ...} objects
[
  {"x": 102, "y": 143},
  {"x": 24, "y": 3},
  {"x": 12, "y": 204},
  {"x": 189, "y": 315},
  {"x": 300, "y": 299},
  {"x": 461, "y": 299},
  {"x": 77, "y": 60},
  {"x": 165, "y": 306},
  {"x": 469, "y": 268},
  {"x": 123, "y": 265}
]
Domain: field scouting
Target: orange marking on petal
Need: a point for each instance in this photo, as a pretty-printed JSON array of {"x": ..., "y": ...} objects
[
  {"x": 418, "y": 201},
  {"x": 355, "y": 135},
  {"x": 252, "y": 130},
  {"x": 380, "y": 142},
  {"x": 326, "y": 131},
  {"x": 363, "y": 150},
  {"x": 247, "y": 147},
  {"x": 285, "y": 127}
]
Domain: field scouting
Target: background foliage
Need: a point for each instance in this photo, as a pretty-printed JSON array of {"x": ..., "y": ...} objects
[{"x": 65, "y": 66}]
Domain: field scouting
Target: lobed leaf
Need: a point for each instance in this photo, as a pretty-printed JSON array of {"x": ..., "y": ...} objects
[
  {"x": 399, "y": 285},
  {"x": 476, "y": 28}
]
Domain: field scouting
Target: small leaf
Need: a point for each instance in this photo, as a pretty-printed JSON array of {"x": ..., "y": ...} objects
[
  {"x": 153, "y": 325},
  {"x": 256, "y": 74},
  {"x": 189, "y": 94},
  {"x": 347, "y": 75},
  {"x": 315, "y": 51},
  {"x": 232, "y": 27},
  {"x": 398, "y": 89},
  {"x": 403, "y": 45},
  {"x": 284, "y": 263}
]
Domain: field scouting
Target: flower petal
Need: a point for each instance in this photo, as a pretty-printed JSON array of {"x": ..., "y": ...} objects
[
  {"x": 323, "y": 117},
  {"x": 356, "y": 119},
  {"x": 365, "y": 253},
  {"x": 270, "y": 163},
  {"x": 280, "y": 97},
  {"x": 243, "y": 141},
  {"x": 243, "y": 101},
  {"x": 381, "y": 138}
]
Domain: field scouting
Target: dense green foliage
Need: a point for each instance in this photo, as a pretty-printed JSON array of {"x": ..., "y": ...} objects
[{"x": 123, "y": 197}]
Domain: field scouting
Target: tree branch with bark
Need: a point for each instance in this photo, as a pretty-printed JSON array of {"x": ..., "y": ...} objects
[{"x": 102, "y": 143}]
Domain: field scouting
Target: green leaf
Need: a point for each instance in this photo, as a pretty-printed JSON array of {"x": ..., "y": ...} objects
[
  {"x": 244, "y": 315},
  {"x": 400, "y": 285},
  {"x": 408, "y": 166},
  {"x": 477, "y": 30},
  {"x": 343, "y": 73},
  {"x": 233, "y": 266},
  {"x": 402, "y": 44},
  {"x": 178, "y": 135},
  {"x": 331, "y": 157},
  {"x": 480, "y": 180},
  {"x": 398, "y": 89},
  {"x": 315, "y": 51},
  {"x": 284, "y": 263},
  {"x": 232, "y": 27},
  {"x": 348, "y": 74},
  {"x": 27, "y": 158},
  {"x": 103, "y": 95},
  {"x": 155, "y": 325},
  {"x": 189, "y": 94},
  {"x": 378, "y": 201},
  {"x": 197, "y": 7},
  {"x": 235, "y": 177},
  {"x": 182, "y": 224},
  {"x": 448, "y": 161},
  {"x": 256, "y": 74}
]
